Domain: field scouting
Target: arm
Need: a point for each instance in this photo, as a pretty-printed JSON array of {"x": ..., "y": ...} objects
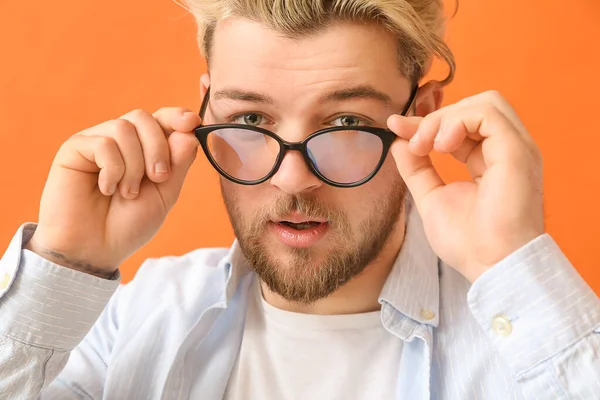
[
  {"x": 108, "y": 191},
  {"x": 544, "y": 321},
  {"x": 45, "y": 313}
]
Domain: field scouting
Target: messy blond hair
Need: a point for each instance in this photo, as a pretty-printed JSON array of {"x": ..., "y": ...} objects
[{"x": 417, "y": 25}]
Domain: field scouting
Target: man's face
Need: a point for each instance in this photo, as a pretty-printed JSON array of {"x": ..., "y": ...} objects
[{"x": 350, "y": 226}]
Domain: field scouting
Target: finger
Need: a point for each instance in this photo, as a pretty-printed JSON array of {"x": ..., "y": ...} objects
[
  {"x": 482, "y": 122},
  {"x": 494, "y": 98},
  {"x": 453, "y": 133},
  {"x": 469, "y": 152},
  {"x": 183, "y": 148},
  {"x": 418, "y": 172},
  {"x": 92, "y": 155},
  {"x": 420, "y": 132},
  {"x": 461, "y": 145},
  {"x": 125, "y": 135},
  {"x": 155, "y": 148},
  {"x": 475, "y": 163},
  {"x": 404, "y": 127},
  {"x": 178, "y": 119},
  {"x": 463, "y": 150}
]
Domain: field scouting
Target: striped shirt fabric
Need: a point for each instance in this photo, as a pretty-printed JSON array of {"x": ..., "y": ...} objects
[{"x": 529, "y": 328}]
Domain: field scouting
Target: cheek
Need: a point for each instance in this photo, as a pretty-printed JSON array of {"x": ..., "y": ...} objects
[
  {"x": 242, "y": 202},
  {"x": 386, "y": 189},
  {"x": 233, "y": 198},
  {"x": 357, "y": 204},
  {"x": 389, "y": 170},
  {"x": 386, "y": 179}
]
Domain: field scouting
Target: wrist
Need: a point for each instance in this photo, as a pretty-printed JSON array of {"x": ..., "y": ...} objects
[
  {"x": 66, "y": 261},
  {"x": 476, "y": 270}
]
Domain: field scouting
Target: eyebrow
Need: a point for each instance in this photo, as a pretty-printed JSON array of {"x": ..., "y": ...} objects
[
  {"x": 352, "y": 93},
  {"x": 356, "y": 92},
  {"x": 242, "y": 95}
]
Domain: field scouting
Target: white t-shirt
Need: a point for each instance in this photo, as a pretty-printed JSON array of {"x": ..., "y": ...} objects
[{"x": 287, "y": 355}]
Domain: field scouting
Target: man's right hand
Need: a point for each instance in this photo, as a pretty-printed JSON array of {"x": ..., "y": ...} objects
[{"x": 110, "y": 188}]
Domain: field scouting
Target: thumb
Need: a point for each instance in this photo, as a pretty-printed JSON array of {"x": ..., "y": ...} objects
[
  {"x": 183, "y": 148},
  {"x": 418, "y": 172}
]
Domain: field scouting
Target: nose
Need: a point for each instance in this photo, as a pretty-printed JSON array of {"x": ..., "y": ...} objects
[{"x": 294, "y": 176}]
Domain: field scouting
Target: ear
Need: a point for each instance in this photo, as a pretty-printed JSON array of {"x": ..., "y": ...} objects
[
  {"x": 204, "y": 84},
  {"x": 429, "y": 98}
]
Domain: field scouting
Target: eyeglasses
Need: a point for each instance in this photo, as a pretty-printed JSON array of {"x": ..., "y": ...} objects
[{"x": 340, "y": 156}]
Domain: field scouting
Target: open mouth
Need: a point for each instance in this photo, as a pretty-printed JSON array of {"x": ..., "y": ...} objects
[
  {"x": 302, "y": 225},
  {"x": 300, "y": 231}
]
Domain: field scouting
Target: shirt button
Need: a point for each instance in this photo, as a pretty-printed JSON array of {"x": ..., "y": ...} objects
[
  {"x": 502, "y": 325},
  {"x": 4, "y": 281},
  {"x": 427, "y": 314}
]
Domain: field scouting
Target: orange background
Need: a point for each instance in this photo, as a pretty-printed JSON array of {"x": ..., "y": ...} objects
[{"x": 68, "y": 65}]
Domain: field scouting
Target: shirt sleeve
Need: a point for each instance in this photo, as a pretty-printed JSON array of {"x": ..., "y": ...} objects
[
  {"x": 544, "y": 321},
  {"x": 46, "y": 311}
]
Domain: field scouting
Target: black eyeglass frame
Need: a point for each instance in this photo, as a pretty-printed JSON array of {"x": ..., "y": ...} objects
[{"x": 387, "y": 138}]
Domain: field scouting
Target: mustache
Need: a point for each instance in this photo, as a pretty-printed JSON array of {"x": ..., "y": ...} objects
[{"x": 307, "y": 205}]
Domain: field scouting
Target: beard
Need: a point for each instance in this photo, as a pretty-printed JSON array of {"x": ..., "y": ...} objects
[{"x": 300, "y": 277}]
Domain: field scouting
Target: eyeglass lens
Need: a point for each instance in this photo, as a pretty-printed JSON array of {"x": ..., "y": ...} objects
[{"x": 343, "y": 157}]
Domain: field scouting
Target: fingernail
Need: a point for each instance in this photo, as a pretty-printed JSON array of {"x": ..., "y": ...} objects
[
  {"x": 188, "y": 113},
  {"x": 134, "y": 188},
  {"x": 161, "y": 167},
  {"x": 415, "y": 138},
  {"x": 393, "y": 118},
  {"x": 112, "y": 189}
]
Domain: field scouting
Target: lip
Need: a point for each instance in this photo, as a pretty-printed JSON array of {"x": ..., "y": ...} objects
[
  {"x": 297, "y": 218},
  {"x": 296, "y": 238}
]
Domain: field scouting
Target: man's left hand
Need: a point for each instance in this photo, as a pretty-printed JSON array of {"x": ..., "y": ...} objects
[{"x": 472, "y": 225}]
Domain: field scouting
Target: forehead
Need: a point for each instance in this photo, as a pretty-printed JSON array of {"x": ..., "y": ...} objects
[{"x": 249, "y": 55}]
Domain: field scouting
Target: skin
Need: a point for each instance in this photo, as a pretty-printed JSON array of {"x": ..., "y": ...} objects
[
  {"x": 470, "y": 225},
  {"x": 296, "y": 78}
]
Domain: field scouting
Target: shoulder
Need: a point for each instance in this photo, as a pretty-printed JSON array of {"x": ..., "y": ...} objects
[
  {"x": 195, "y": 279},
  {"x": 198, "y": 264}
]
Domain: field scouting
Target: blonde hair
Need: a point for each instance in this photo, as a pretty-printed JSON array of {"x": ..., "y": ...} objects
[{"x": 417, "y": 25}]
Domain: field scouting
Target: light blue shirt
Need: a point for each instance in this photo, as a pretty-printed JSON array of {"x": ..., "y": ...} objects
[{"x": 529, "y": 328}]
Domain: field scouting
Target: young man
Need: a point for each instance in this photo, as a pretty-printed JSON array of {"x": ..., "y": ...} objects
[{"x": 356, "y": 273}]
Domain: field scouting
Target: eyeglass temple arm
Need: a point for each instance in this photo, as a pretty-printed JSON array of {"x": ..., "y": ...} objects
[
  {"x": 411, "y": 99},
  {"x": 204, "y": 105}
]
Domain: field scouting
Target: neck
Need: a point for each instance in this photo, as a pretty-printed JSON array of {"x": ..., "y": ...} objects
[{"x": 359, "y": 295}]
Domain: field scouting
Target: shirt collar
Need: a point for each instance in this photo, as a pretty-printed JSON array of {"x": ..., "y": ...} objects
[
  {"x": 412, "y": 286},
  {"x": 236, "y": 267}
]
